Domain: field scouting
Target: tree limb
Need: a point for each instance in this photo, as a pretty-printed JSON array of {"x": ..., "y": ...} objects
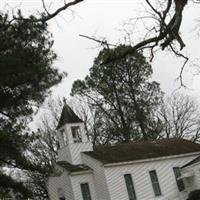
[{"x": 64, "y": 7}]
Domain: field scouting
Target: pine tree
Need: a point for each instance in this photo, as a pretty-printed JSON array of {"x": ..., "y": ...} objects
[
  {"x": 124, "y": 95},
  {"x": 26, "y": 76}
]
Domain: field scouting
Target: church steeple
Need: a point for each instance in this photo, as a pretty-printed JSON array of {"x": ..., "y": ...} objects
[
  {"x": 72, "y": 137},
  {"x": 68, "y": 117}
]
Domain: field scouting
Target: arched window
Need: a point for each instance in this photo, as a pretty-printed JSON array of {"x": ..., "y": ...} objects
[{"x": 61, "y": 194}]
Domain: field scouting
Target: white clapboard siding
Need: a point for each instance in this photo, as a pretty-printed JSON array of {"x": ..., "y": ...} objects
[
  {"x": 76, "y": 180},
  {"x": 100, "y": 182},
  {"x": 196, "y": 169},
  {"x": 76, "y": 149},
  {"x": 72, "y": 152},
  {"x": 64, "y": 154},
  {"x": 197, "y": 174},
  {"x": 141, "y": 179},
  {"x": 192, "y": 183},
  {"x": 63, "y": 182}
]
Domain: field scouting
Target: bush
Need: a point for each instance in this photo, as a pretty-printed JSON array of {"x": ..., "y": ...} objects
[{"x": 194, "y": 195}]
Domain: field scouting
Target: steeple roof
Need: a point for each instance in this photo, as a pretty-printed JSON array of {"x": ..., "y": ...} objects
[{"x": 68, "y": 116}]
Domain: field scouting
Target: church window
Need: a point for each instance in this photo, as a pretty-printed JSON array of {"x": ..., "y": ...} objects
[
  {"x": 64, "y": 137},
  {"x": 85, "y": 191},
  {"x": 179, "y": 181},
  {"x": 130, "y": 186},
  {"x": 61, "y": 194},
  {"x": 76, "y": 134},
  {"x": 155, "y": 182}
]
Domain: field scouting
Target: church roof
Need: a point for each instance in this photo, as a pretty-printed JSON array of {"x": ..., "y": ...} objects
[
  {"x": 73, "y": 168},
  {"x": 67, "y": 117},
  {"x": 143, "y": 150}
]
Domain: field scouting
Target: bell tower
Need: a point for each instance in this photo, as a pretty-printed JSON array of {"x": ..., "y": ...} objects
[{"x": 72, "y": 137}]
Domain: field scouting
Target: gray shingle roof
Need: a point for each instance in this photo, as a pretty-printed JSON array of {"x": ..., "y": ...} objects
[
  {"x": 73, "y": 168},
  {"x": 143, "y": 150},
  {"x": 67, "y": 117}
]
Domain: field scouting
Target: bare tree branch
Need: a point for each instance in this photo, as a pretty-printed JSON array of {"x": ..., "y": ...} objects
[
  {"x": 59, "y": 10},
  {"x": 179, "y": 114},
  {"x": 44, "y": 6},
  {"x": 183, "y": 66},
  {"x": 102, "y": 42},
  {"x": 48, "y": 16},
  {"x": 168, "y": 31}
]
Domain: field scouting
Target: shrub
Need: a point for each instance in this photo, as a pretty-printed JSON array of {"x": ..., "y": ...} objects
[{"x": 194, "y": 195}]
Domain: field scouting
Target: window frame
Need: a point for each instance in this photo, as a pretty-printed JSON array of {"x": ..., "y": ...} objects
[
  {"x": 179, "y": 182},
  {"x": 130, "y": 188},
  {"x": 86, "y": 196},
  {"x": 64, "y": 137},
  {"x": 76, "y": 134},
  {"x": 155, "y": 183},
  {"x": 61, "y": 194}
]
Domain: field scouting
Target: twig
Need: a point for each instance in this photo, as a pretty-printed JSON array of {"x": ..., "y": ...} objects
[
  {"x": 64, "y": 7},
  {"x": 49, "y": 16},
  {"x": 102, "y": 42},
  {"x": 44, "y": 6},
  {"x": 180, "y": 77}
]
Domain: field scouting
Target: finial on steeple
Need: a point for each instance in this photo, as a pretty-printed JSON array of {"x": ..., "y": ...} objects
[{"x": 64, "y": 100}]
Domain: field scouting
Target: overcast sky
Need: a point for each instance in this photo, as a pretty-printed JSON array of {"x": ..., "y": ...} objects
[{"x": 104, "y": 18}]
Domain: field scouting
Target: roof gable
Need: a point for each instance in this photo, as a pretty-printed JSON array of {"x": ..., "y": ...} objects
[
  {"x": 196, "y": 160},
  {"x": 68, "y": 116},
  {"x": 143, "y": 150}
]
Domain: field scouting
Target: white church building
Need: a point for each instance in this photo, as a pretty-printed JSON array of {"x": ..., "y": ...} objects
[{"x": 165, "y": 169}]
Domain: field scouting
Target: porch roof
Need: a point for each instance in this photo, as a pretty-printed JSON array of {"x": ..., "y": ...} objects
[{"x": 73, "y": 168}]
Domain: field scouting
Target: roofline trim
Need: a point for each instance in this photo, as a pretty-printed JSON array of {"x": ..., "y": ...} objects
[
  {"x": 69, "y": 124},
  {"x": 81, "y": 172},
  {"x": 190, "y": 166},
  {"x": 150, "y": 159}
]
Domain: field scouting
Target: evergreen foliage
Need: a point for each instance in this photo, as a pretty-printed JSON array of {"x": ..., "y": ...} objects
[
  {"x": 26, "y": 75},
  {"x": 124, "y": 95},
  {"x": 43, "y": 148}
]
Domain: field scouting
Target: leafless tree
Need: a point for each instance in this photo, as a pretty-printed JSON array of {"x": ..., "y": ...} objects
[
  {"x": 164, "y": 32},
  {"x": 180, "y": 116},
  {"x": 43, "y": 149},
  {"x": 45, "y": 142},
  {"x": 85, "y": 109},
  {"x": 167, "y": 16}
]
